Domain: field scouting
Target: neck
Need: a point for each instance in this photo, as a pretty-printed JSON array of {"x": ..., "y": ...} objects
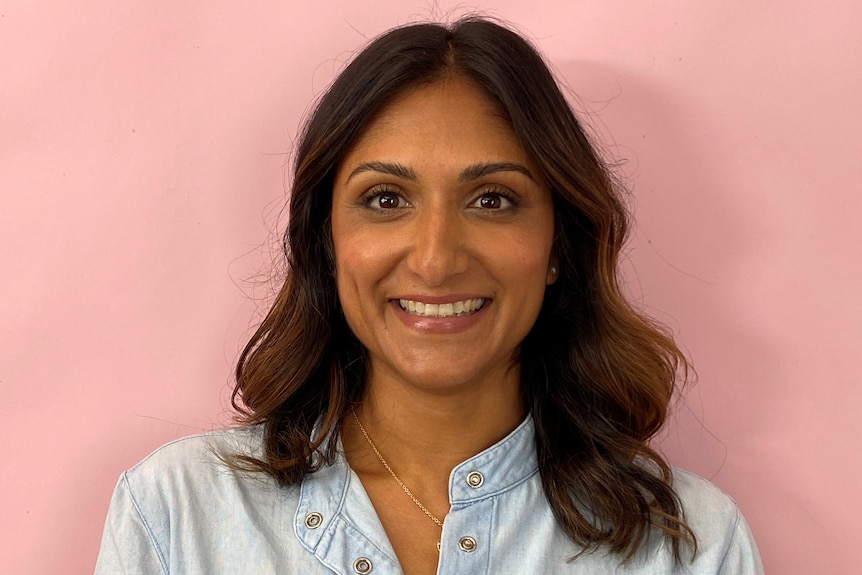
[{"x": 423, "y": 435}]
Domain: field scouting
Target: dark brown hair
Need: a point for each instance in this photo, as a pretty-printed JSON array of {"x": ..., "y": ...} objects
[{"x": 597, "y": 376}]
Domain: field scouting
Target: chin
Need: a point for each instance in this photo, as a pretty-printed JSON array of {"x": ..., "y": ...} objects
[{"x": 445, "y": 381}]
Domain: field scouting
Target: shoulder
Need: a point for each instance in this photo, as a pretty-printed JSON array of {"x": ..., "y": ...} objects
[
  {"x": 192, "y": 448},
  {"x": 200, "y": 454},
  {"x": 194, "y": 468},
  {"x": 724, "y": 539},
  {"x": 710, "y": 512},
  {"x": 183, "y": 509},
  {"x": 701, "y": 497}
]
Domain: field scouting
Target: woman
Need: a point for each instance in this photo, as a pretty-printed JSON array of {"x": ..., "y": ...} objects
[{"x": 449, "y": 380}]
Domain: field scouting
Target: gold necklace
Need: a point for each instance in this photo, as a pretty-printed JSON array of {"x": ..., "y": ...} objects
[{"x": 392, "y": 473}]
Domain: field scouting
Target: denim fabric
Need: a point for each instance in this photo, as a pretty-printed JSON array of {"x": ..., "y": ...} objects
[{"x": 182, "y": 511}]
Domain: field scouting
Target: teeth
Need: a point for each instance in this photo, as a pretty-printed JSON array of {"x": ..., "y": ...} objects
[{"x": 458, "y": 308}]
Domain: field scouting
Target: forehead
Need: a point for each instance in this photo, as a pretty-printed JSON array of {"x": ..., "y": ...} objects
[{"x": 445, "y": 120}]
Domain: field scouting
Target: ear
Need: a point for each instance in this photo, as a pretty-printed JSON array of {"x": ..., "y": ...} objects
[{"x": 553, "y": 270}]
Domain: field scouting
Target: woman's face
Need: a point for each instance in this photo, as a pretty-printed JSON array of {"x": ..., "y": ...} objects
[{"x": 443, "y": 231}]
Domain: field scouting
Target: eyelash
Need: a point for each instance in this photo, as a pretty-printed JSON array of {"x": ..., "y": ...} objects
[
  {"x": 368, "y": 198},
  {"x": 499, "y": 192},
  {"x": 377, "y": 192}
]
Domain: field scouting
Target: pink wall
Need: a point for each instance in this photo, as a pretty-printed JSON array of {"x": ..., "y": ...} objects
[{"x": 140, "y": 171}]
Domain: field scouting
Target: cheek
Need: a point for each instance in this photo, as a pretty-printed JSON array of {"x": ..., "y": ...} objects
[
  {"x": 526, "y": 264},
  {"x": 346, "y": 280},
  {"x": 362, "y": 262},
  {"x": 527, "y": 253},
  {"x": 347, "y": 249},
  {"x": 357, "y": 261},
  {"x": 349, "y": 295}
]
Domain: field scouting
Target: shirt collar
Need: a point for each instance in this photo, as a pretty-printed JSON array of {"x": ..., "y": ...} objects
[
  {"x": 501, "y": 467},
  {"x": 325, "y": 494}
]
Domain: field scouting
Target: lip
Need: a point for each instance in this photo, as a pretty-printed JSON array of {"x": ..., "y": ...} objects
[{"x": 439, "y": 325}]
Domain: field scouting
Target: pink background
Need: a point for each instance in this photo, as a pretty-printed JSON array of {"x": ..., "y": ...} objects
[{"x": 141, "y": 154}]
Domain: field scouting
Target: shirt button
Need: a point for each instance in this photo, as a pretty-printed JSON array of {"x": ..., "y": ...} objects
[
  {"x": 475, "y": 479},
  {"x": 467, "y": 544},
  {"x": 363, "y": 565},
  {"x": 313, "y": 520}
]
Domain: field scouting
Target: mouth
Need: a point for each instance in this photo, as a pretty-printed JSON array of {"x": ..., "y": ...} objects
[{"x": 454, "y": 309}]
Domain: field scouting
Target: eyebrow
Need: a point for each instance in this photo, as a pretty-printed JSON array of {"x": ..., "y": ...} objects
[
  {"x": 477, "y": 171},
  {"x": 393, "y": 169},
  {"x": 472, "y": 172}
]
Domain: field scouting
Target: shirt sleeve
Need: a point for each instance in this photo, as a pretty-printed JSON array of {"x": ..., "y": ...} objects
[
  {"x": 741, "y": 556},
  {"x": 127, "y": 543}
]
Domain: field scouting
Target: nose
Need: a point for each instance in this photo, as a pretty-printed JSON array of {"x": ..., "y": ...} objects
[{"x": 439, "y": 246}]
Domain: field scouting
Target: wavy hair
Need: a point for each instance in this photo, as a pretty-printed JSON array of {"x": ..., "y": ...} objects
[{"x": 597, "y": 376}]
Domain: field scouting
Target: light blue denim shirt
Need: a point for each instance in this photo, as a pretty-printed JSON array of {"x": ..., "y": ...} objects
[{"x": 182, "y": 511}]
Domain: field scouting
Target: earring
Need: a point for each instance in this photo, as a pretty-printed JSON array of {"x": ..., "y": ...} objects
[{"x": 552, "y": 270}]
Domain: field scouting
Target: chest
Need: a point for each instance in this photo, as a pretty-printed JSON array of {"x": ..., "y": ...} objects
[
  {"x": 510, "y": 532},
  {"x": 414, "y": 536},
  {"x": 328, "y": 530}
]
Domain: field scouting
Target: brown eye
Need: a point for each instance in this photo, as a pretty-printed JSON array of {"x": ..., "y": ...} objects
[
  {"x": 490, "y": 201},
  {"x": 384, "y": 200},
  {"x": 387, "y": 201},
  {"x": 493, "y": 201}
]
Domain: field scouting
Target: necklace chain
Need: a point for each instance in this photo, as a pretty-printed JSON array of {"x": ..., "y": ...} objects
[{"x": 392, "y": 473}]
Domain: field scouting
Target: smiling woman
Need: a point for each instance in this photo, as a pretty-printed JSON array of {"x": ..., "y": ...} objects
[
  {"x": 450, "y": 380},
  {"x": 459, "y": 222}
]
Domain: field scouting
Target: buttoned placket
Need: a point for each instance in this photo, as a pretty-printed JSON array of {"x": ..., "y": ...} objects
[
  {"x": 475, "y": 488},
  {"x": 336, "y": 521}
]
